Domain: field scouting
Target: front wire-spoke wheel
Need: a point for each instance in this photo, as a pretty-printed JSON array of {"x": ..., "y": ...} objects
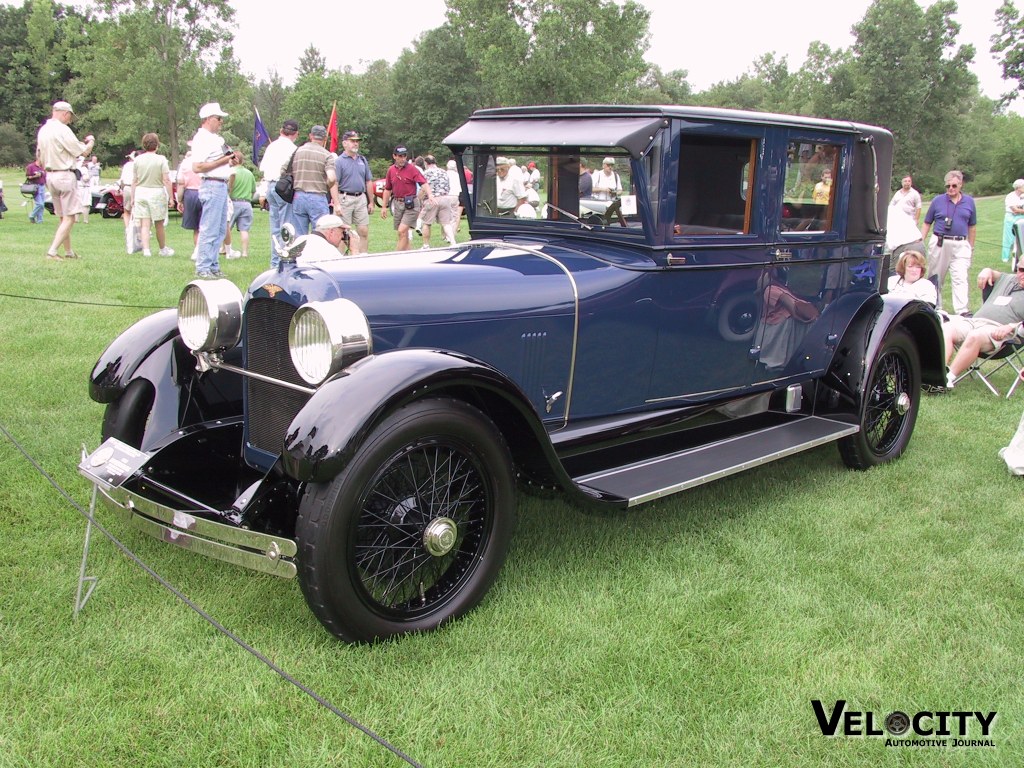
[
  {"x": 888, "y": 410},
  {"x": 412, "y": 533}
]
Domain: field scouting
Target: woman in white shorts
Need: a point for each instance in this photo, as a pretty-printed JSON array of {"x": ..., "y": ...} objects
[{"x": 151, "y": 190}]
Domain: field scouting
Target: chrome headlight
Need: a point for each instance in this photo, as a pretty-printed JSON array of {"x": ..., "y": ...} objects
[
  {"x": 326, "y": 336},
  {"x": 210, "y": 315}
]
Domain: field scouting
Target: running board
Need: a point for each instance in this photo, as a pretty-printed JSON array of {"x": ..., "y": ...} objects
[{"x": 674, "y": 472}]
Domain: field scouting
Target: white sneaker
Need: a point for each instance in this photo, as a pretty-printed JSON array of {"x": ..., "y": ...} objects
[
  {"x": 233, "y": 254},
  {"x": 166, "y": 251},
  {"x": 195, "y": 255},
  {"x": 950, "y": 380},
  {"x": 146, "y": 252},
  {"x": 424, "y": 247}
]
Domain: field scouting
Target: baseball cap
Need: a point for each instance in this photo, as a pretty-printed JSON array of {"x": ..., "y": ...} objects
[
  {"x": 290, "y": 126},
  {"x": 608, "y": 161},
  {"x": 63, "y": 106},
  {"x": 401, "y": 150},
  {"x": 501, "y": 161},
  {"x": 318, "y": 132},
  {"x": 350, "y": 135},
  {"x": 329, "y": 221},
  {"x": 210, "y": 110}
]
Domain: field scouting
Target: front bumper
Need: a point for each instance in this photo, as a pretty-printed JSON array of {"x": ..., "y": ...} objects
[{"x": 114, "y": 464}]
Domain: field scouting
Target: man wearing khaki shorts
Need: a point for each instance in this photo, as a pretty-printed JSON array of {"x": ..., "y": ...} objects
[
  {"x": 442, "y": 208},
  {"x": 57, "y": 149},
  {"x": 996, "y": 323},
  {"x": 354, "y": 203}
]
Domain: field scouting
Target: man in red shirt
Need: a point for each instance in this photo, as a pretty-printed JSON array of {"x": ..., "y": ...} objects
[{"x": 400, "y": 185}]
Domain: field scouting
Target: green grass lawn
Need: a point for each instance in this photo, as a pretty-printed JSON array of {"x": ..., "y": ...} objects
[{"x": 694, "y": 631}]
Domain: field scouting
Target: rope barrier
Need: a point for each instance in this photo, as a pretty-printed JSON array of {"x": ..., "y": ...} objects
[
  {"x": 84, "y": 303},
  {"x": 202, "y": 613}
]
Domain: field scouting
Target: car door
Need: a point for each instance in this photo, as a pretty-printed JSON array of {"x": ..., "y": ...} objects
[
  {"x": 706, "y": 295},
  {"x": 809, "y": 263}
]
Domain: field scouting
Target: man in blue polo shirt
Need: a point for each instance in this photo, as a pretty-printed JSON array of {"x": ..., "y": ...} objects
[
  {"x": 355, "y": 190},
  {"x": 953, "y": 220}
]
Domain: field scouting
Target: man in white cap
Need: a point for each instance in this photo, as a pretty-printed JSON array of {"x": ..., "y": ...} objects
[
  {"x": 607, "y": 183},
  {"x": 325, "y": 241},
  {"x": 212, "y": 159},
  {"x": 57, "y": 150}
]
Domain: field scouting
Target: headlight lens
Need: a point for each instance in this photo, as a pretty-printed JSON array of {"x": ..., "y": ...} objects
[
  {"x": 210, "y": 315},
  {"x": 326, "y": 336}
]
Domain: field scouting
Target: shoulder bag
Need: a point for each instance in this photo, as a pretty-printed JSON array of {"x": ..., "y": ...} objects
[{"x": 285, "y": 186}]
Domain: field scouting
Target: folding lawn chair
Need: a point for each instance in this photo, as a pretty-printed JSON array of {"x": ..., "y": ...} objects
[{"x": 1009, "y": 354}]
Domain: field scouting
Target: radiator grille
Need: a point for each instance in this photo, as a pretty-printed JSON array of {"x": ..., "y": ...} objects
[{"x": 270, "y": 408}]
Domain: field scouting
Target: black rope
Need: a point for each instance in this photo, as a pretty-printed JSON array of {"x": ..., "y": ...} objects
[
  {"x": 206, "y": 616},
  {"x": 86, "y": 303}
]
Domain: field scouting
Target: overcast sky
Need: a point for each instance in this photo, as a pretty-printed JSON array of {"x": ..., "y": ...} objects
[{"x": 713, "y": 43}]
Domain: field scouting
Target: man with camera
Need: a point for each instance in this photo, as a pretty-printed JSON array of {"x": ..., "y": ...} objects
[
  {"x": 400, "y": 185},
  {"x": 953, "y": 220},
  {"x": 58, "y": 150},
  {"x": 329, "y": 239},
  {"x": 213, "y": 160}
]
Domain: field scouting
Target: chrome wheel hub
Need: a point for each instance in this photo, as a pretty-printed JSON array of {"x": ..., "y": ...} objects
[
  {"x": 903, "y": 403},
  {"x": 440, "y": 535}
]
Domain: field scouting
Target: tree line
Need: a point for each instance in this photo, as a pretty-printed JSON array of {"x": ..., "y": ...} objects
[{"x": 132, "y": 66}]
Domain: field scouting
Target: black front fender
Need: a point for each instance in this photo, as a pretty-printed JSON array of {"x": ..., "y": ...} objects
[
  {"x": 152, "y": 350},
  {"x": 122, "y": 359},
  {"x": 330, "y": 428}
]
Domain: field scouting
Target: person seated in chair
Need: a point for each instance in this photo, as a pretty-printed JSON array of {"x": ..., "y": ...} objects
[
  {"x": 909, "y": 281},
  {"x": 996, "y": 323}
]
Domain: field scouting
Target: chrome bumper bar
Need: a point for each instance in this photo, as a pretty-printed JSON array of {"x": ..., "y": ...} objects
[{"x": 114, "y": 462}]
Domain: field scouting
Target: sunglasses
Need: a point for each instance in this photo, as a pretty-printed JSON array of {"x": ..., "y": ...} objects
[{"x": 952, "y": 186}]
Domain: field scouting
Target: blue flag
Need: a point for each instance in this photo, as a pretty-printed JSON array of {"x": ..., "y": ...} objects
[{"x": 260, "y": 139}]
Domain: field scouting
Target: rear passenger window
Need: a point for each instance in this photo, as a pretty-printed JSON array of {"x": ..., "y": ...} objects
[
  {"x": 810, "y": 191},
  {"x": 716, "y": 176}
]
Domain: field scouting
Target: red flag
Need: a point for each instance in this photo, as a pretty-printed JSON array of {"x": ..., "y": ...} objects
[{"x": 332, "y": 127}]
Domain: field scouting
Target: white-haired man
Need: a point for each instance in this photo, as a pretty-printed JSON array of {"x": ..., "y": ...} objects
[
  {"x": 58, "y": 150},
  {"x": 953, "y": 220}
]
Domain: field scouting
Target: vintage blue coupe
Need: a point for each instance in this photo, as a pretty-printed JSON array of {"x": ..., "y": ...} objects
[{"x": 365, "y": 422}]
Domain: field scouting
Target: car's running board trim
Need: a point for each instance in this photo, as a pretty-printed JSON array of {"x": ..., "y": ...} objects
[{"x": 662, "y": 476}]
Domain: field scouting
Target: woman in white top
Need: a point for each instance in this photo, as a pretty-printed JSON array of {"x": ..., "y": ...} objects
[
  {"x": 910, "y": 281},
  {"x": 1014, "y": 207}
]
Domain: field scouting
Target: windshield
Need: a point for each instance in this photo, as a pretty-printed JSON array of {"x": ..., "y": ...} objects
[{"x": 575, "y": 186}]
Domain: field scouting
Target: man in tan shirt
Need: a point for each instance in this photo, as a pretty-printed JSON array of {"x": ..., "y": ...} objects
[{"x": 57, "y": 149}]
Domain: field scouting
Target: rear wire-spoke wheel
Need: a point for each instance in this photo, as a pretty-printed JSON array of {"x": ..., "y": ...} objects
[
  {"x": 889, "y": 407},
  {"x": 413, "y": 532}
]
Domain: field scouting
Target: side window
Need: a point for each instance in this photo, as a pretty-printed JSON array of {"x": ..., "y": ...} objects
[
  {"x": 809, "y": 200},
  {"x": 716, "y": 176}
]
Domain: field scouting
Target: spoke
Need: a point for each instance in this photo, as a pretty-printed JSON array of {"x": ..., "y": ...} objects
[{"x": 424, "y": 482}]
